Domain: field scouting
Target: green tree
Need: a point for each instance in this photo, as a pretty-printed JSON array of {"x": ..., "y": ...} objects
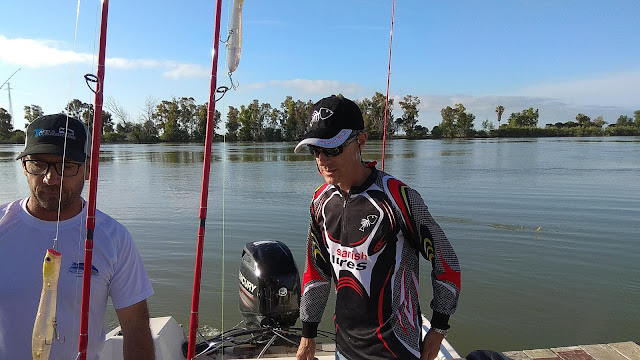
[
  {"x": 232, "y": 123},
  {"x": 6, "y": 128},
  {"x": 583, "y": 119},
  {"x": 244, "y": 118},
  {"x": 167, "y": 114},
  {"x": 624, "y": 120},
  {"x": 447, "y": 127},
  {"x": 373, "y": 111},
  {"x": 290, "y": 123},
  {"x": 636, "y": 115},
  {"x": 526, "y": 118},
  {"x": 599, "y": 122},
  {"x": 465, "y": 122},
  {"x": 188, "y": 115},
  {"x": 81, "y": 111},
  {"x": 200, "y": 132},
  {"x": 107, "y": 122},
  {"x": 456, "y": 122},
  {"x": 487, "y": 125},
  {"x": 31, "y": 113},
  {"x": 499, "y": 112},
  {"x": 409, "y": 106}
]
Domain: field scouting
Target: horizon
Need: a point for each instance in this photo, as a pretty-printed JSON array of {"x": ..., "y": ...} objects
[{"x": 562, "y": 58}]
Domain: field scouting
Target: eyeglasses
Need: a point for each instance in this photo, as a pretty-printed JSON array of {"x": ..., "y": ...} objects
[
  {"x": 331, "y": 152},
  {"x": 40, "y": 167}
]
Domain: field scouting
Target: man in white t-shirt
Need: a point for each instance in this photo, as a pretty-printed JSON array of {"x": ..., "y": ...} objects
[{"x": 28, "y": 228}]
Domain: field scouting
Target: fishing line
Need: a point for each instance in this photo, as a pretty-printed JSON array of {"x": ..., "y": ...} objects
[
  {"x": 64, "y": 146},
  {"x": 386, "y": 104},
  {"x": 223, "y": 160},
  {"x": 45, "y": 329}
]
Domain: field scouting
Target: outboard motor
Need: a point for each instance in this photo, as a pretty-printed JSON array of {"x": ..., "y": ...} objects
[{"x": 269, "y": 285}]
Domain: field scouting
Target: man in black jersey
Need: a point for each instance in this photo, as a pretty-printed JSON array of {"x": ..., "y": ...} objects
[{"x": 367, "y": 231}]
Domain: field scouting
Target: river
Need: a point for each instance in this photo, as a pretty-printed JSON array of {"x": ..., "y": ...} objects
[{"x": 547, "y": 230}]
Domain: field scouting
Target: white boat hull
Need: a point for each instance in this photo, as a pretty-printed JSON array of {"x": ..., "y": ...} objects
[{"x": 168, "y": 337}]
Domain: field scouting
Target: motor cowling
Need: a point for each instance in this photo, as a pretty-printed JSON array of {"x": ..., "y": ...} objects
[{"x": 269, "y": 285}]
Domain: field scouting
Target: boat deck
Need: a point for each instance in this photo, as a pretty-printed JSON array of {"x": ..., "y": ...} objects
[{"x": 615, "y": 351}]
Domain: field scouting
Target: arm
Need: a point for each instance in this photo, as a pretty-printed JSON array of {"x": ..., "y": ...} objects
[
  {"x": 137, "y": 341},
  {"x": 316, "y": 285},
  {"x": 307, "y": 349},
  {"x": 431, "y": 345},
  {"x": 434, "y": 246}
]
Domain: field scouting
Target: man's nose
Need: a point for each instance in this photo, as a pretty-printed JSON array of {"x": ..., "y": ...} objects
[{"x": 51, "y": 176}]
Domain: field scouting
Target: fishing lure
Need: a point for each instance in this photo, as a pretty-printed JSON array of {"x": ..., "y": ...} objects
[
  {"x": 234, "y": 43},
  {"x": 44, "y": 328}
]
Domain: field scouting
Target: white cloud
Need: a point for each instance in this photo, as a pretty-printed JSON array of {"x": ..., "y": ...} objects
[
  {"x": 37, "y": 53},
  {"x": 617, "y": 89},
  {"x": 179, "y": 71},
  {"x": 310, "y": 87}
]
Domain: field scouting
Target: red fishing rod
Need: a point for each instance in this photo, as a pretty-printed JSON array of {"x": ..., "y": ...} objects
[
  {"x": 386, "y": 104},
  {"x": 93, "y": 186},
  {"x": 204, "y": 192}
]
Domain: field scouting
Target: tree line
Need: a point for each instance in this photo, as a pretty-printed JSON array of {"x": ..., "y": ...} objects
[
  {"x": 183, "y": 120},
  {"x": 458, "y": 123}
]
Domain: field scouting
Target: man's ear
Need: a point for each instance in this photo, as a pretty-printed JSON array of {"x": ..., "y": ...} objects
[{"x": 362, "y": 139}]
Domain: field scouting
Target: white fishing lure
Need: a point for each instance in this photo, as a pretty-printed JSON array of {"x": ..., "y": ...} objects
[
  {"x": 44, "y": 326},
  {"x": 234, "y": 43}
]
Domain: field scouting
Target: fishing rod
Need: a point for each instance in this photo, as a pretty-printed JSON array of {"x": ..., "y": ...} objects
[
  {"x": 83, "y": 338},
  {"x": 233, "y": 46},
  {"x": 386, "y": 104},
  {"x": 204, "y": 190}
]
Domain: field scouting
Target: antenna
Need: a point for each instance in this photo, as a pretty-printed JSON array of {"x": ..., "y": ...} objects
[{"x": 9, "y": 91}]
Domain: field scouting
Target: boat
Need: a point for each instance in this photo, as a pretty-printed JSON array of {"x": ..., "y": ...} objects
[{"x": 269, "y": 298}]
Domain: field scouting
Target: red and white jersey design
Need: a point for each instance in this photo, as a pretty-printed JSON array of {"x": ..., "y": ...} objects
[{"x": 369, "y": 243}]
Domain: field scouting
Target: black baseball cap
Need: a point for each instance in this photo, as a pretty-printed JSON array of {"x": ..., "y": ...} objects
[
  {"x": 332, "y": 121},
  {"x": 46, "y": 135}
]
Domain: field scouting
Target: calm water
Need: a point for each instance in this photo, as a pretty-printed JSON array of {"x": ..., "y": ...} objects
[{"x": 574, "y": 281}]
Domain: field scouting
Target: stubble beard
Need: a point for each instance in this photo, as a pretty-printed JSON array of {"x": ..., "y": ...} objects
[{"x": 44, "y": 199}]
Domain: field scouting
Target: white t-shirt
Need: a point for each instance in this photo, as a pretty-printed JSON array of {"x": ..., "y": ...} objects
[{"x": 117, "y": 272}]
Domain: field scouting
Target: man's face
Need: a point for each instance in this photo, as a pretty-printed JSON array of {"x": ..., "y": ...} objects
[
  {"x": 337, "y": 169},
  {"x": 45, "y": 188}
]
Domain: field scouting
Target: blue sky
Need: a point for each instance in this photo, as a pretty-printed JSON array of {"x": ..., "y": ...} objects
[{"x": 560, "y": 56}]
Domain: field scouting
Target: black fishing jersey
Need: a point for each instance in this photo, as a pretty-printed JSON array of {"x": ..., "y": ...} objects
[{"x": 369, "y": 243}]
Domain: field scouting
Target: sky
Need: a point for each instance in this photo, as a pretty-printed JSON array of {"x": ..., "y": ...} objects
[{"x": 562, "y": 57}]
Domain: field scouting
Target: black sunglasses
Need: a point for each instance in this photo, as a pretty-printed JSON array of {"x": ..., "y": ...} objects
[{"x": 331, "y": 152}]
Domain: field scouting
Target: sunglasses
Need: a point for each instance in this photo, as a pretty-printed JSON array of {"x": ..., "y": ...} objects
[
  {"x": 331, "y": 152},
  {"x": 41, "y": 167}
]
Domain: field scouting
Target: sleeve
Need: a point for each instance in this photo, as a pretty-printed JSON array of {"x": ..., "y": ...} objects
[
  {"x": 316, "y": 281},
  {"x": 130, "y": 283},
  {"x": 434, "y": 246}
]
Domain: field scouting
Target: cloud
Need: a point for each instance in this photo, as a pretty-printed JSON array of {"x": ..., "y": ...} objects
[
  {"x": 617, "y": 89},
  {"x": 606, "y": 95},
  {"x": 38, "y": 53},
  {"x": 310, "y": 87}
]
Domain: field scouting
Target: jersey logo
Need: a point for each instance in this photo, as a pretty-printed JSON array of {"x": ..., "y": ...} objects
[
  {"x": 78, "y": 269},
  {"x": 368, "y": 221}
]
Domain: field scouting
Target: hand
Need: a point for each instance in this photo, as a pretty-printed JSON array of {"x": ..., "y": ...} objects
[
  {"x": 307, "y": 349},
  {"x": 431, "y": 345}
]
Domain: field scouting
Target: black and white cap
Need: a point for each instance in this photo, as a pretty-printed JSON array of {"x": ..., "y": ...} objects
[{"x": 333, "y": 120}]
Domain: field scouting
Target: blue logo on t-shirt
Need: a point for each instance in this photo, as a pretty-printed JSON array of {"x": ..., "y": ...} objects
[{"x": 78, "y": 269}]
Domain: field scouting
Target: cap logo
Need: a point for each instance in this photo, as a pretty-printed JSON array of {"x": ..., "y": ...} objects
[
  {"x": 321, "y": 114},
  {"x": 49, "y": 132}
]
